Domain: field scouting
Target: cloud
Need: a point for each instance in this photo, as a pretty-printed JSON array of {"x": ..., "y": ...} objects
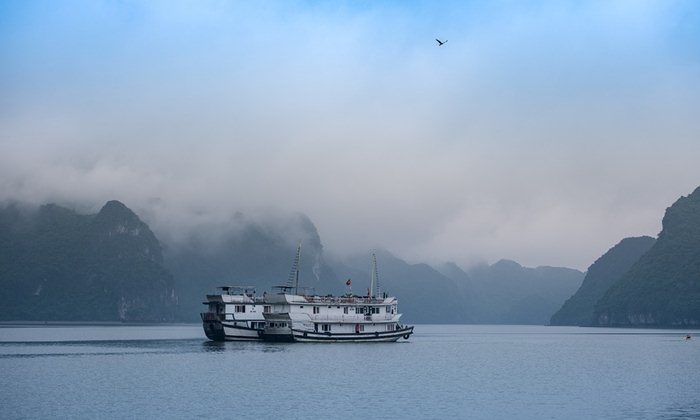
[{"x": 542, "y": 132}]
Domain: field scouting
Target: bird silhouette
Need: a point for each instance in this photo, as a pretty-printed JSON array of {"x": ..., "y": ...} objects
[{"x": 440, "y": 43}]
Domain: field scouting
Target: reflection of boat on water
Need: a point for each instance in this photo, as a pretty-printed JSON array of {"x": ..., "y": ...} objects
[{"x": 288, "y": 315}]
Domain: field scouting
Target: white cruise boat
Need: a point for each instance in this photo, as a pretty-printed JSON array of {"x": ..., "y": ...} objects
[
  {"x": 235, "y": 313},
  {"x": 347, "y": 318}
]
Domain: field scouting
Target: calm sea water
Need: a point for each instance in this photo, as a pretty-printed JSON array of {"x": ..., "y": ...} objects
[{"x": 441, "y": 372}]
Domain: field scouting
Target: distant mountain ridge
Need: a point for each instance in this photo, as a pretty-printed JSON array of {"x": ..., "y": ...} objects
[
  {"x": 251, "y": 254},
  {"x": 600, "y": 276},
  {"x": 425, "y": 295},
  {"x": 58, "y": 265},
  {"x": 111, "y": 266},
  {"x": 508, "y": 293},
  {"x": 662, "y": 289}
]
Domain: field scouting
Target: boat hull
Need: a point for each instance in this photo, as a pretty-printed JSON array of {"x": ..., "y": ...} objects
[
  {"x": 327, "y": 337},
  {"x": 220, "y": 331},
  {"x": 388, "y": 336}
]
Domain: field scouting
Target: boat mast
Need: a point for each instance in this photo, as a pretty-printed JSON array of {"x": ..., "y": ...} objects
[
  {"x": 293, "y": 278},
  {"x": 375, "y": 277}
]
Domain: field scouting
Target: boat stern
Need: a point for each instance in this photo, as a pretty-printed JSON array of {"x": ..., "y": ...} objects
[
  {"x": 213, "y": 328},
  {"x": 278, "y": 328}
]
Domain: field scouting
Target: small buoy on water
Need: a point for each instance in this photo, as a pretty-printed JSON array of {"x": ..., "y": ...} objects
[{"x": 687, "y": 337}]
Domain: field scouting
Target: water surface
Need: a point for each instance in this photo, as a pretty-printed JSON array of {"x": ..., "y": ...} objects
[{"x": 443, "y": 371}]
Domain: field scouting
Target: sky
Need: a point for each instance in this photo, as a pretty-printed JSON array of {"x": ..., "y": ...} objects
[{"x": 542, "y": 131}]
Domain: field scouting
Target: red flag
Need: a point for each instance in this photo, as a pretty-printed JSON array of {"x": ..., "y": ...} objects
[{"x": 348, "y": 283}]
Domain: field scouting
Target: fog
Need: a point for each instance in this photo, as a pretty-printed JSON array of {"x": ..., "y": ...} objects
[{"x": 542, "y": 132}]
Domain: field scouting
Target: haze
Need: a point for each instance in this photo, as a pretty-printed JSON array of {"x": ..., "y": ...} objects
[{"x": 542, "y": 132}]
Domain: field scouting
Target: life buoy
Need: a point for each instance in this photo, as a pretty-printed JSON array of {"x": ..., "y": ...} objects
[{"x": 405, "y": 336}]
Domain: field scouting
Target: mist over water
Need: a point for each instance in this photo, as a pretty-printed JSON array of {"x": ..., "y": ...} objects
[
  {"x": 531, "y": 135},
  {"x": 441, "y": 372}
]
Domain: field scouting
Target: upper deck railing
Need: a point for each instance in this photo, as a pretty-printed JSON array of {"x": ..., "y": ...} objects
[{"x": 352, "y": 300}]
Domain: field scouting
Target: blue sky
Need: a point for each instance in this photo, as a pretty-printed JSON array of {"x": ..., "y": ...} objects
[{"x": 543, "y": 131}]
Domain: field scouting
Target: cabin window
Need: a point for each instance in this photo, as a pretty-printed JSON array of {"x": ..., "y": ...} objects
[
  {"x": 317, "y": 309},
  {"x": 345, "y": 310},
  {"x": 388, "y": 309},
  {"x": 390, "y": 327},
  {"x": 360, "y": 310},
  {"x": 267, "y": 309},
  {"x": 301, "y": 306},
  {"x": 326, "y": 327},
  {"x": 240, "y": 308}
]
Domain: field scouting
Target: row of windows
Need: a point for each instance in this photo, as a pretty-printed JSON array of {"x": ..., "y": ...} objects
[
  {"x": 376, "y": 309},
  {"x": 324, "y": 327},
  {"x": 317, "y": 309},
  {"x": 359, "y": 310},
  {"x": 242, "y": 308},
  {"x": 358, "y": 327},
  {"x": 370, "y": 310}
]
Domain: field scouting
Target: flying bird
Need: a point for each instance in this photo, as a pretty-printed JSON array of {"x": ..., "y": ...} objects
[{"x": 440, "y": 43}]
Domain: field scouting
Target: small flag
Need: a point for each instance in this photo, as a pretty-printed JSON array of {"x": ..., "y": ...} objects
[{"x": 348, "y": 283}]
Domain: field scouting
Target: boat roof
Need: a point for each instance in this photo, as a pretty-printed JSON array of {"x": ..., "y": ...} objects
[{"x": 237, "y": 290}]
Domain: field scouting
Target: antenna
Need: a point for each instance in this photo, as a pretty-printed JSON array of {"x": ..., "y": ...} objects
[{"x": 293, "y": 279}]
